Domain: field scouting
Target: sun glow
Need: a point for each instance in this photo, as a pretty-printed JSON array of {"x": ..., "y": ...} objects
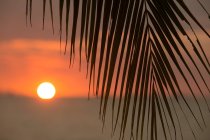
[{"x": 46, "y": 90}]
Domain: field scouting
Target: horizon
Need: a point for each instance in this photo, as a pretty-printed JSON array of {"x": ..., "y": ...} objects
[
  {"x": 30, "y": 56},
  {"x": 151, "y": 81},
  {"x": 66, "y": 118}
]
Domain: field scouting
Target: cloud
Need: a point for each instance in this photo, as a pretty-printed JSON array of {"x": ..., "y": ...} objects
[
  {"x": 13, "y": 22},
  {"x": 13, "y": 19},
  {"x": 26, "y": 63}
]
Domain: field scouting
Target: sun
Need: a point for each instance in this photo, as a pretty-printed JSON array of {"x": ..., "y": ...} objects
[{"x": 46, "y": 90}]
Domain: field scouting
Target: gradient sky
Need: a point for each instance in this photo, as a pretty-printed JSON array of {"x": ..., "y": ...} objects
[{"x": 29, "y": 56}]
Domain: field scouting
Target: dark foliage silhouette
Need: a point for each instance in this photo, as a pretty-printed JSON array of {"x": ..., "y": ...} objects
[{"x": 140, "y": 50}]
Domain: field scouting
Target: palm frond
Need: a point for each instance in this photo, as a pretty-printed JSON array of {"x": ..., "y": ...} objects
[{"x": 141, "y": 51}]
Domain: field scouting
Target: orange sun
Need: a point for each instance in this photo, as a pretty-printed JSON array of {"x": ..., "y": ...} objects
[{"x": 46, "y": 90}]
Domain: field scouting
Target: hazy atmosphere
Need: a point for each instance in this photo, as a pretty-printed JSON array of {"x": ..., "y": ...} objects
[
  {"x": 30, "y": 56},
  {"x": 64, "y": 119}
]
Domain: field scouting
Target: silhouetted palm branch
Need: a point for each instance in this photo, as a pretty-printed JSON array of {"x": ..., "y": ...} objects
[{"x": 141, "y": 50}]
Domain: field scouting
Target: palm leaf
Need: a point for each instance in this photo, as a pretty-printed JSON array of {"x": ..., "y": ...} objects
[{"x": 142, "y": 51}]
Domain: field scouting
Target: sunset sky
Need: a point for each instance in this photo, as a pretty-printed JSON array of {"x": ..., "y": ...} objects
[{"x": 29, "y": 56}]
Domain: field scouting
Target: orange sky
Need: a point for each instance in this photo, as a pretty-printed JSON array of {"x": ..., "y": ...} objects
[
  {"x": 26, "y": 63},
  {"x": 29, "y": 56}
]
